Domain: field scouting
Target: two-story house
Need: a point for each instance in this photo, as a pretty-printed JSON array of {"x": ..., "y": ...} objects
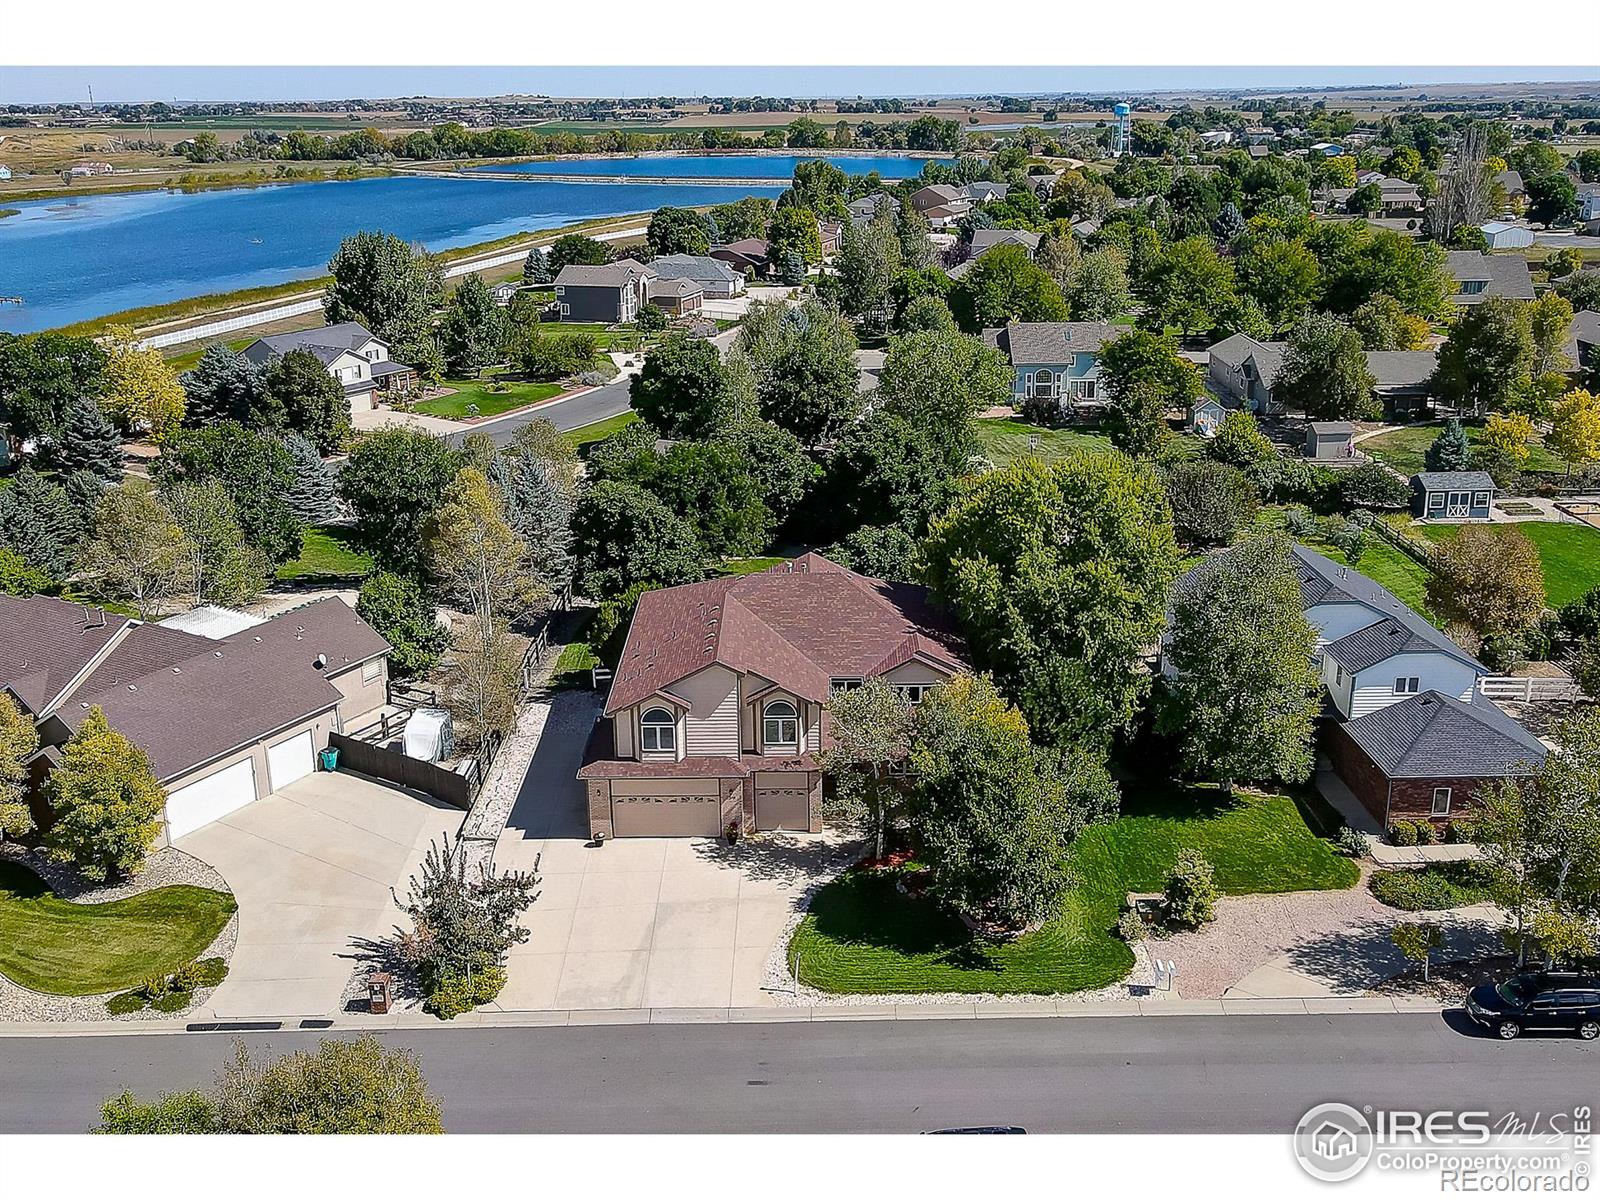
[
  {"x": 351, "y": 353},
  {"x": 1242, "y": 372},
  {"x": 613, "y": 293},
  {"x": 1054, "y": 360},
  {"x": 717, "y": 718},
  {"x": 1480, "y": 276}
]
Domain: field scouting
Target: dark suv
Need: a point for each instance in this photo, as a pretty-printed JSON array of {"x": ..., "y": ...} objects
[{"x": 1546, "y": 1000}]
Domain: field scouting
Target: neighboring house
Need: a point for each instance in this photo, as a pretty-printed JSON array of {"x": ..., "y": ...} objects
[
  {"x": 612, "y": 293},
  {"x": 351, "y": 353},
  {"x": 985, "y": 240},
  {"x": 1511, "y": 183},
  {"x": 1453, "y": 495},
  {"x": 1242, "y": 372},
  {"x": 864, "y": 208},
  {"x": 1589, "y": 209},
  {"x": 716, "y": 718},
  {"x": 1397, "y": 197},
  {"x": 1260, "y": 150},
  {"x": 1479, "y": 276},
  {"x": 717, "y": 279},
  {"x": 226, "y": 715},
  {"x": 1583, "y": 340},
  {"x": 1403, "y": 380},
  {"x": 943, "y": 216},
  {"x": 1216, "y": 137},
  {"x": 983, "y": 191},
  {"x": 748, "y": 256},
  {"x": 82, "y": 170},
  {"x": 1043, "y": 185},
  {"x": 938, "y": 195},
  {"x": 5, "y": 171},
  {"x": 1330, "y": 441},
  {"x": 505, "y": 293},
  {"x": 1086, "y": 228},
  {"x": 1501, "y": 236},
  {"x": 679, "y": 297},
  {"x": 1427, "y": 756},
  {"x": 830, "y": 234},
  {"x": 1057, "y": 360}
]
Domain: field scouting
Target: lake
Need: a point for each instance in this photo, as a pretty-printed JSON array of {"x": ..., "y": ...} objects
[
  {"x": 73, "y": 259},
  {"x": 723, "y": 166}
]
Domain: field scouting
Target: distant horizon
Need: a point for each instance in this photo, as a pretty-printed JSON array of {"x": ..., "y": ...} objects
[{"x": 299, "y": 84}]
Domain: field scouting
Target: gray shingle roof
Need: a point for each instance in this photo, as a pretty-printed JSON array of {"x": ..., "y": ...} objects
[
  {"x": 1585, "y": 331},
  {"x": 1506, "y": 275},
  {"x": 1461, "y": 481},
  {"x": 614, "y": 274},
  {"x": 1332, "y": 428},
  {"x": 700, "y": 268},
  {"x": 988, "y": 239},
  {"x": 1402, "y": 368},
  {"x": 327, "y": 343},
  {"x": 1049, "y": 341},
  {"x": 1235, "y": 351},
  {"x": 1323, "y": 581},
  {"x": 1391, "y": 636},
  {"x": 1434, "y": 736}
]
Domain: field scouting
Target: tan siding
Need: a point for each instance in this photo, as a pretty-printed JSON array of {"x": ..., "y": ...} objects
[
  {"x": 914, "y": 672},
  {"x": 360, "y": 698},
  {"x": 711, "y": 725},
  {"x": 623, "y": 727}
]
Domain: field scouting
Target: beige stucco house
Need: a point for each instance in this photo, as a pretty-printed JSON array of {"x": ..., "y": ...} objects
[{"x": 716, "y": 717}]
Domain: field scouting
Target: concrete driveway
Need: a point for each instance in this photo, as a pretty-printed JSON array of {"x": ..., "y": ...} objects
[
  {"x": 642, "y": 922},
  {"x": 311, "y": 867}
]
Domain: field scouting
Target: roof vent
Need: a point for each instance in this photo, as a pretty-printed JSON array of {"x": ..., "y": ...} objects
[
  {"x": 320, "y": 662},
  {"x": 218, "y": 653},
  {"x": 133, "y": 687},
  {"x": 177, "y": 671},
  {"x": 299, "y": 632}
]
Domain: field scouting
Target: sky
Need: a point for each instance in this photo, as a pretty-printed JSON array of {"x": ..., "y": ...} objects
[{"x": 40, "y": 85}]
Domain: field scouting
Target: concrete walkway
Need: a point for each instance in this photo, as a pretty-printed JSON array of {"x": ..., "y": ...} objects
[
  {"x": 1343, "y": 801},
  {"x": 312, "y": 867}
]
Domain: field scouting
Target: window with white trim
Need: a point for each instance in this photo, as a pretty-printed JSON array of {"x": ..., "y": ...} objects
[
  {"x": 1480, "y": 499},
  {"x": 1083, "y": 389},
  {"x": 780, "y": 725},
  {"x": 847, "y": 684},
  {"x": 1441, "y": 803},
  {"x": 658, "y": 731},
  {"x": 912, "y": 693},
  {"x": 1406, "y": 686}
]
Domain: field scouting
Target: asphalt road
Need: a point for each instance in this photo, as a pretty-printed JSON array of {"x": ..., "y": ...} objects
[
  {"x": 572, "y": 413},
  {"x": 1236, "y": 1074}
]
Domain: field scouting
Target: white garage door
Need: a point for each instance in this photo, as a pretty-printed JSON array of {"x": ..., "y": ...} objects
[
  {"x": 213, "y": 797},
  {"x": 289, "y": 760}
]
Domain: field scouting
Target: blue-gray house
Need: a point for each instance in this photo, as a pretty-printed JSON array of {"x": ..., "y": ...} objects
[
  {"x": 1054, "y": 360},
  {"x": 1453, "y": 495}
]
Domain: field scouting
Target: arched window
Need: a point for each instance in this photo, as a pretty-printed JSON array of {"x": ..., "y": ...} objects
[
  {"x": 1043, "y": 383},
  {"x": 658, "y": 730},
  {"x": 779, "y": 724}
]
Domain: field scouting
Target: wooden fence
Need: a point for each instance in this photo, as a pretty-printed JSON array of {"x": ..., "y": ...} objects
[
  {"x": 380, "y": 762},
  {"x": 1529, "y": 689}
]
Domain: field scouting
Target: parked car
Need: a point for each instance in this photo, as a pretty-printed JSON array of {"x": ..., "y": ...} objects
[{"x": 1543, "y": 1000}]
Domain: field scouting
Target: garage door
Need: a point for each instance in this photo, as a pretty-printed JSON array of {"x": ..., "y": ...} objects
[
  {"x": 783, "y": 800},
  {"x": 290, "y": 759},
  {"x": 663, "y": 808},
  {"x": 215, "y": 796}
]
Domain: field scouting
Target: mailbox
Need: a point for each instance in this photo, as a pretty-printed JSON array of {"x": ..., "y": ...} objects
[{"x": 379, "y": 988}]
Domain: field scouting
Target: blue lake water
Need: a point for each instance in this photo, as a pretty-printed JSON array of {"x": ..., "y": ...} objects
[
  {"x": 724, "y": 166},
  {"x": 76, "y": 259}
]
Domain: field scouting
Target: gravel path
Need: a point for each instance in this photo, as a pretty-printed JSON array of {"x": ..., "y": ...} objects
[{"x": 164, "y": 868}]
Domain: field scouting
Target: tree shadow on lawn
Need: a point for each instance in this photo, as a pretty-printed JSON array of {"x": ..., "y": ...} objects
[{"x": 864, "y": 908}]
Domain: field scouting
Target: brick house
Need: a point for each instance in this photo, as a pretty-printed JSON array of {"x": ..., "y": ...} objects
[
  {"x": 716, "y": 716},
  {"x": 1427, "y": 756}
]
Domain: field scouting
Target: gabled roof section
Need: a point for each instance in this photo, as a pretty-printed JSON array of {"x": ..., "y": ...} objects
[
  {"x": 1434, "y": 736},
  {"x": 45, "y": 644},
  {"x": 799, "y": 625},
  {"x": 608, "y": 275},
  {"x": 1506, "y": 275},
  {"x": 1461, "y": 481},
  {"x": 1050, "y": 341},
  {"x": 327, "y": 342}
]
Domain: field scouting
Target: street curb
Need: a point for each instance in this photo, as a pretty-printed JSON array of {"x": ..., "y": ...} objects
[{"x": 494, "y": 1018}]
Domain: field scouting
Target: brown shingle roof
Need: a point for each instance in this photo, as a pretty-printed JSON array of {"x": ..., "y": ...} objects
[
  {"x": 45, "y": 643},
  {"x": 799, "y": 625}
]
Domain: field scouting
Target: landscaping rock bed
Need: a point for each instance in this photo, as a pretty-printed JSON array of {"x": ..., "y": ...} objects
[{"x": 163, "y": 869}]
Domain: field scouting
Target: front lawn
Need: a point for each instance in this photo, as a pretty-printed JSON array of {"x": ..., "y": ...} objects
[
  {"x": 862, "y": 935},
  {"x": 1403, "y": 449},
  {"x": 1570, "y": 554},
  {"x": 326, "y": 556},
  {"x": 476, "y": 393},
  {"x": 586, "y": 435},
  {"x": 67, "y": 949}
]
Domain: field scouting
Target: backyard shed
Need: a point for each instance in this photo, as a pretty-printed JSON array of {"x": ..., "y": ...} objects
[
  {"x": 1453, "y": 495},
  {"x": 1330, "y": 441}
]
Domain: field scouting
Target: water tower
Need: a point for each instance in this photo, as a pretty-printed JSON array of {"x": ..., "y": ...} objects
[{"x": 1121, "y": 144}]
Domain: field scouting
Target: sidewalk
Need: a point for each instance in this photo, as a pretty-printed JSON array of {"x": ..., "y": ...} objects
[{"x": 1344, "y": 802}]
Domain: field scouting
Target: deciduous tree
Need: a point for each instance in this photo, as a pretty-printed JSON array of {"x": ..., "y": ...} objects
[
  {"x": 222, "y": 567},
  {"x": 870, "y": 739},
  {"x": 682, "y": 389},
  {"x": 311, "y": 401},
  {"x": 256, "y": 471},
  {"x": 1324, "y": 372},
  {"x": 1574, "y": 435},
  {"x": 105, "y": 802},
  {"x": 475, "y": 329},
  {"x": 136, "y": 550},
  {"x": 1211, "y": 501},
  {"x": 393, "y": 482},
  {"x": 804, "y": 362},
  {"x": 139, "y": 391},
  {"x": 405, "y": 617},
  {"x": 1189, "y": 286},
  {"x": 18, "y": 741},
  {"x": 1144, "y": 377},
  {"x": 622, "y": 535},
  {"x": 1006, "y": 285},
  {"x": 1488, "y": 353},
  {"x": 1489, "y": 578}
]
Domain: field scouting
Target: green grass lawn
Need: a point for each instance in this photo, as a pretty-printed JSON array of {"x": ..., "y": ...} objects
[
  {"x": 489, "y": 404},
  {"x": 1403, "y": 449},
  {"x": 573, "y": 665},
  {"x": 186, "y": 360},
  {"x": 67, "y": 949},
  {"x": 1570, "y": 554},
  {"x": 1003, "y": 441},
  {"x": 1381, "y": 561},
  {"x": 326, "y": 554},
  {"x": 586, "y": 435},
  {"x": 862, "y": 935}
]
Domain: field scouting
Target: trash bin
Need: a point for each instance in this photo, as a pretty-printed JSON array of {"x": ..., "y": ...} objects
[
  {"x": 330, "y": 758},
  {"x": 378, "y": 992}
]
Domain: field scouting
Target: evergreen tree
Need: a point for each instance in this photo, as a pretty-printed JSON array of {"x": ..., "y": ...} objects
[
  {"x": 1449, "y": 451},
  {"x": 474, "y": 330},
  {"x": 536, "y": 270},
  {"x": 88, "y": 442},
  {"x": 84, "y": 489},
  {"x": 38, "y": 521},
  {"x": 539, "y": 509},
  {"x": 312, "y": 498},
  {"x": 223, "y": 386}
]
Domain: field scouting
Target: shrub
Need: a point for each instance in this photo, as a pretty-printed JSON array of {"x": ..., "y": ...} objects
[
  {"x": 454, "y": 994},
  {"x": 1352, "y": 842},
  {"x": 1132, "y": 928},
  {"x": 1043, "y": 410},
  {"x": 1191, "y": 891},
  {"x": 1432, "y": 888},
  {"x": 1403, "y": 833},
  {"x": 126, "y": 1002},
  {"x": 155, "y": 987},
  {"x": 1350, "y": 537},
  {"x": 201, "y": 973},
  {"x": 1427, "y": 834},
  {"x": 1299, "y": 522},
  {"x": 1460, "y": 833},
  {"x": 173, "y": 1002}
]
